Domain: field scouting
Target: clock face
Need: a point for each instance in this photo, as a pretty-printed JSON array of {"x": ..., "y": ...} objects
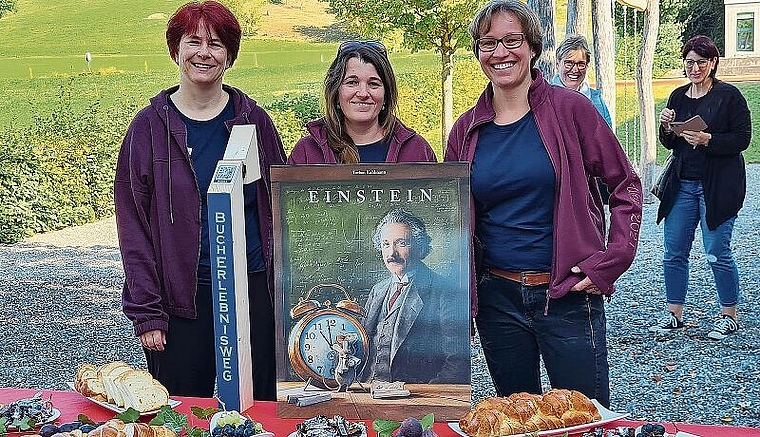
[{"x": 311, "y": 339}]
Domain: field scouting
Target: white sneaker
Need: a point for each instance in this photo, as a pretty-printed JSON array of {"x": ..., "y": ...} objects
[
  {"x": 723, "y": 328},
  {"x": 669, "y": 323}
]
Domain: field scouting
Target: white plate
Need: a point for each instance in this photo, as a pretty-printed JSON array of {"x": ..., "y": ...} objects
[
  {"x": 607, "y": 416},
  {"x": 56, "y": 414},
  {"x": 117, "y": 409}
]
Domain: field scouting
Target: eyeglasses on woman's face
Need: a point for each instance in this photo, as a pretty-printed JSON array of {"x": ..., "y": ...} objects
[
  {"x": 582, "y": 65},
  {"x": 348, "y": 46},
  {"x": 701, "y": 63},
  {"x": 509, "y": 41}
]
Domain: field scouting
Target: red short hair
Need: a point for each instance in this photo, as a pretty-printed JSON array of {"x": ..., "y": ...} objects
[{"x": 214, "y": 16}]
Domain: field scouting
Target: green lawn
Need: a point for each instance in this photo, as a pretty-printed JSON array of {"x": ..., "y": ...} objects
[
  {"x": 44, "y": 45},
  {"x": 628, "y": 126}
]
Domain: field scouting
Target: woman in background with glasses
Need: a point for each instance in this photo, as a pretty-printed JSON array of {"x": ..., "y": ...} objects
[
  {"x": 708, "y": 184},
  {"x": 360, "y": 98},
  {"x": 573, "y": 58},
  {"x": 546, "y": 266}
]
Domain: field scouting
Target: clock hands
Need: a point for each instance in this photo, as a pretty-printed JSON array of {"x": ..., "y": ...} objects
[{"x": 329, "y": 344}]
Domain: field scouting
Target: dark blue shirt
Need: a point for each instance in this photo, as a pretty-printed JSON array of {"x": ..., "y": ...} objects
[
  {"x": 513, "y": 181},
  {"x": 206, "y": 143},
  {"x": 374, "y": 152}
]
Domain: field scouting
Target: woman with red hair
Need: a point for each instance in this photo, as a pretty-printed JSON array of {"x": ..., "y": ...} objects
[{"x": 163, "y": 174}]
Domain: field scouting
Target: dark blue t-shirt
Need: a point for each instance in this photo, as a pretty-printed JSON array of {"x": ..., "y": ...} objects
[
  {"x": 206, "y": 143},
  {"x": 513, "y": 181},
  {"x": 373, "y": 152}
]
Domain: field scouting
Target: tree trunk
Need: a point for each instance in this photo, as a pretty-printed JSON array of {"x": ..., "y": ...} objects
[
  {"x": 646, "y": 98},
  {"x": 545, "y": 10},
  {"x": 604, "y": 52},
  {"x": 447, "y": 96},
  {"x": 577, "y": 17}
]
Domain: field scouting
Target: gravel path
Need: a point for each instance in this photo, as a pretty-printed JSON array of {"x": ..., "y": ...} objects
[{"x": 60, "y": 306}]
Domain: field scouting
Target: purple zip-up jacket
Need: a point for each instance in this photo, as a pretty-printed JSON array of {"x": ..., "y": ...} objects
[
  {"x": 405, "y": 146},
  {"x": 581, "y": 146},
  {"x": 158, "y": 208}
]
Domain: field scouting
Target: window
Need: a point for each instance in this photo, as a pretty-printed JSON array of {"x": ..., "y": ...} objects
[{"x": 745, "y": 31}]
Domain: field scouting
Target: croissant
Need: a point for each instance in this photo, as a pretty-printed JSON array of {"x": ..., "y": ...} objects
[{"x": 525, "y": 413}]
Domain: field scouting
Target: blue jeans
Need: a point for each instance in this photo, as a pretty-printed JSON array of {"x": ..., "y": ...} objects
[
  {"x": 515, "y": 334},
  {"x": 680, "y": 224}
]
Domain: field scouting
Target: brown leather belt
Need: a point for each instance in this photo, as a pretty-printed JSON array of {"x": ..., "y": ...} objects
[{"x": 530, "y": 279}]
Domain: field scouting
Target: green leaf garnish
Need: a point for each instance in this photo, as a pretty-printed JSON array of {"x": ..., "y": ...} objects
[
  {"x": 170, "y": 419},
  {"x": 23, "y": 424},
  {"x": 197, "y": 432},
  {"x": 427, "y": 421},
  {"x": 85, "y": 420},
  {"x": 384, "y": 427},
  {"x": 129, "y": 416},
  {"x": 3, "y": 428},
  {"x": 204, "y": 413}
]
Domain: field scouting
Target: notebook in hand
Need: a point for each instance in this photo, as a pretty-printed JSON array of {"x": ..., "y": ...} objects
[{"x": 695, "y": 124}]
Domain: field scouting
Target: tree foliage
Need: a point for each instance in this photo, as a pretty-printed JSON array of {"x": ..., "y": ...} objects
[
  {"x": 704, "y": 17},
  {"x": 248, "y": 13},
  {"x": 439, "y": 25},
  {"x": 7, "y": 6}
]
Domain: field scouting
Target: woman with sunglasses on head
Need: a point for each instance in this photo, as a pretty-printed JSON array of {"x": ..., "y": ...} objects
[
  {"x": 360, "y": 98},
  {"x": 544, "y": 265},
  {"x": 707, "y": 186},
  {"x": 164, "y": 171}
]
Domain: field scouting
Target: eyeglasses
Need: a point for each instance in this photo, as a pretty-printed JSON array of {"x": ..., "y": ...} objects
[
  {"x": 347, "y": 46},
  {"x": 570, "y": 65},
  {"x": 689, "y": 63},
  {"x": 509, "y": 41}
]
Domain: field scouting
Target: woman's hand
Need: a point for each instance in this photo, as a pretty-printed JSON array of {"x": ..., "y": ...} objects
[
  {"x": 585, "y": 284},
  {"x": 696, "y": 138},
  {"x": 666, "y": 116},
  {"x": 153, "y": 340}
]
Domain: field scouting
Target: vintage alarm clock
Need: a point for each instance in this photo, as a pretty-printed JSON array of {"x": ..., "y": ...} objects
[{"x": 328, "y": 346}]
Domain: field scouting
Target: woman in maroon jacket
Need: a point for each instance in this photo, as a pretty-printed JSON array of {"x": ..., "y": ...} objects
[
  {"x": 360, "y": 124},
  {"x": 535, "y": 151},
  {"x": 163, "y": 173}
]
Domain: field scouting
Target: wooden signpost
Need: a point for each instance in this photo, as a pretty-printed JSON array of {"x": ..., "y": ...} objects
[{"x": 226, "y": 221}]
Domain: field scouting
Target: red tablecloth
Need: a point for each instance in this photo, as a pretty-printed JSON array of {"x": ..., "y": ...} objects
[{"x": 71, "y": 404}]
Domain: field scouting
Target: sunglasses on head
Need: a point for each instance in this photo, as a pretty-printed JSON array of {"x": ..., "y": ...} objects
[{"x": 347, "y": 46}]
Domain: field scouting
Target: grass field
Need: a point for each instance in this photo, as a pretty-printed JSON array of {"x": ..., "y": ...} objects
[{"x": 44, "y": 45}]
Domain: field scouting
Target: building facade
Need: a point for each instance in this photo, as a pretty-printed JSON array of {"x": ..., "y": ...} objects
[{"x": 742, "y": 24}]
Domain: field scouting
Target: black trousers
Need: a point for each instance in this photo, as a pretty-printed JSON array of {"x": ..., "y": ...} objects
[
  {"x": 187, "y": 366},
  {"x": 516, "y": 335}
]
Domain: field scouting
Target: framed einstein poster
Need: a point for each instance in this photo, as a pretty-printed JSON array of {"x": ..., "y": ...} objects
[{"x": 372, "y": 279}]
